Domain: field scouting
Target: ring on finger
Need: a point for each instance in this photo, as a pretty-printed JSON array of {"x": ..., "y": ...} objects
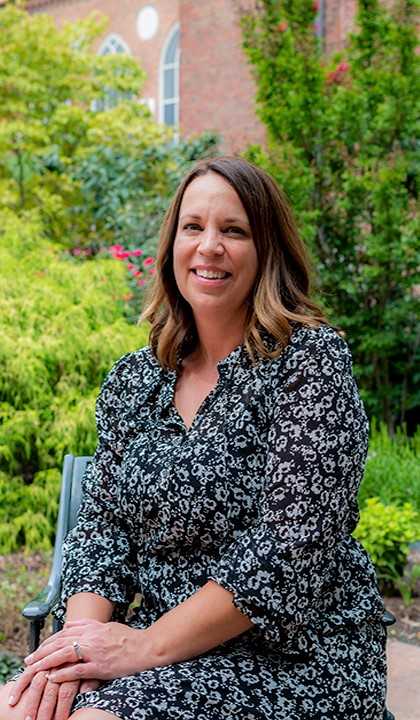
[{"x": 78, "y": 650}]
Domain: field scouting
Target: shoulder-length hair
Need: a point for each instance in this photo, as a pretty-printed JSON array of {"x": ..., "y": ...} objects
[{"x": 280, "y": 296}]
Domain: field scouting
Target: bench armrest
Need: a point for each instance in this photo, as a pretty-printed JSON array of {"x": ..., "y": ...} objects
[{"x": 40, "y": 606}]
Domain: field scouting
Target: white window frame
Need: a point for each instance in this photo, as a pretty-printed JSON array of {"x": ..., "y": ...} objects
[
  {"x": 169, "y": 66},
  {"x": 113, "y": 39}
]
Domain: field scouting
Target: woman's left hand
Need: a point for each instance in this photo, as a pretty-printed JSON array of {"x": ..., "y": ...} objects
[{"x": 108, "y": 650}]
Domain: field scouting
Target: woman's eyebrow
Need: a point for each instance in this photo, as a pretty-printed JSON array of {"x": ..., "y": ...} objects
[
  {"x": 226, "y": 220},
  {"x": 190, "y": 215},
  {"x": 237, "y": 220}
]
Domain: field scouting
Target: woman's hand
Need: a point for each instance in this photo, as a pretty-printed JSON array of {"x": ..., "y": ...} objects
[
  {"x": 45, "y": 700},
  {"x": 109, "y": 650}
]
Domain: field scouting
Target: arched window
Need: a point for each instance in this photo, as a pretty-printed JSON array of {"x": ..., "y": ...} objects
[
  {"x": 112, "y": 45},
  {"x": 169, "y": 80}
]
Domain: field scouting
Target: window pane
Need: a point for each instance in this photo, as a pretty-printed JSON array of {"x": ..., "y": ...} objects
[
  {"x": 168, "y": 84},
  {"x": 169, "y": 114},
  {"x": 171, "y": 50}
]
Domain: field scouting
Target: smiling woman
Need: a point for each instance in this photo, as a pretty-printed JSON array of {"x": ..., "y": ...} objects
[
  {"x": 215, "y": 261},
  {"x": 224, "y": 490},
  {"x": 229, "y": 215}
]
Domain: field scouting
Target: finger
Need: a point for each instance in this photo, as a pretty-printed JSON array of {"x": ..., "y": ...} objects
[
  {"x": 77, "y": 671},
  {"x": 55, "y": 642},
  {"x": 59, "y": 657},
  {"x": 48, "y": 702},
  {"x": 66, "y": 694},
  {"x": 34, "y": 695},
  {"x": 21, "y": 684},
  {"x": 88, "y": 685}
]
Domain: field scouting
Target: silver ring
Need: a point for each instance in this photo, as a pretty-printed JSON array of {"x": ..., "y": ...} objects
[{"x": 78, "y": 650}]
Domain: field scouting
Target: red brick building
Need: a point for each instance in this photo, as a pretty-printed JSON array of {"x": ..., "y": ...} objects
[{"x": 197, "y": 74}]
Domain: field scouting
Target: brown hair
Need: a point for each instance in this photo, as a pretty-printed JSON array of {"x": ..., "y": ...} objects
[{"x": 280, "y": 296}]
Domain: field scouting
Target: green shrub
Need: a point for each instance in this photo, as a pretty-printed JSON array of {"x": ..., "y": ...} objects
[
  {"x": 61, "y": 329},
  {"x": 393, "y": 468},
  {"x": 9, "y": 664},
  {"x": 28, "y": 513},
  {"x": 386, "y": 531}
]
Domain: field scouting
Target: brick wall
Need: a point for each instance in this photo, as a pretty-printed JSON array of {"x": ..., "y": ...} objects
[
  {"x": 217, "y": 90},
  {"x": 339, "y": 21},
  {"x": 122, "y": 21}
]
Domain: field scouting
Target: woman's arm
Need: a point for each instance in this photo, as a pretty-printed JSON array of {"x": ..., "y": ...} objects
[
  {"x": 203, "y": 621},
  {"x": 88, "y": 606}
]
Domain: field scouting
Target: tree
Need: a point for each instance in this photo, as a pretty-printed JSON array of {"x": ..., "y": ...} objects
[
  {"x": 71, "y": 179},
  {"x": 95, "y": 177},
  {"x": 343, "y": 143}
]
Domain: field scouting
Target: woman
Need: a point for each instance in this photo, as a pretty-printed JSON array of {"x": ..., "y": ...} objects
[{"x": 224, "y": 490}]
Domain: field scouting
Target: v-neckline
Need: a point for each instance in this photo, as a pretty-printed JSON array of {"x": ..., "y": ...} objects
[{"x": 187, "y": 428}]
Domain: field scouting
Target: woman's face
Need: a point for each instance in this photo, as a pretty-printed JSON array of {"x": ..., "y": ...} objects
[{"x": 215, "y": 258}]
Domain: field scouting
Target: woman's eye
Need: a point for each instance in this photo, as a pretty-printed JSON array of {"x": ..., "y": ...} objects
[
  {"x": 192, "y": 226},
  {"x": 235, "y": 230}
]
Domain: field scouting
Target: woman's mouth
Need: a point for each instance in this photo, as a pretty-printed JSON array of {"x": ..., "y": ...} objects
[{"x": 211, "y": 274}]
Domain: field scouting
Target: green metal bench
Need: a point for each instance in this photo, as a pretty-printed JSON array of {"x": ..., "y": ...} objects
[{"x": 70, "y": 497}]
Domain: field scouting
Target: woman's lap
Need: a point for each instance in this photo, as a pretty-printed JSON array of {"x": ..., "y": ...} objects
[{"x": 345, "y": 677}]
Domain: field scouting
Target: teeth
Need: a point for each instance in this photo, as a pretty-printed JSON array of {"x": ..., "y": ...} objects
[{"x": 211, "y": 274}]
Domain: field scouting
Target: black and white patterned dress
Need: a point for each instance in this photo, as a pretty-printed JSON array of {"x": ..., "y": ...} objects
[{"x": 258, "y": 495}]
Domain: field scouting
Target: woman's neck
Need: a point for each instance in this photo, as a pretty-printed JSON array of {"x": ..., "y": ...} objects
[{"x": 215, "y": 342}]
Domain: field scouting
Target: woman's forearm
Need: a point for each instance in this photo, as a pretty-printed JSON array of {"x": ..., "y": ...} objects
[
  {"x": 88, "y": 606},
  {"x": 203, "y": 621}
]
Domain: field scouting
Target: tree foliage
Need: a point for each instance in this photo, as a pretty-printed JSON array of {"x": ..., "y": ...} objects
[
  {"x": 343, "y": 142},
  {"x": 95, "y": 177},
  {"x": 73, "y": 180}
]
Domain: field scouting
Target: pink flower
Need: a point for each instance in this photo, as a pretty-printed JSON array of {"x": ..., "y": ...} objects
[
  {"x": 137, "y": 273},
  {"x": 343, "y": 67},
  {"x": 116, "y": 248},
  {"x": 141, "y": 283},
  {"x": 77, "y": 251},
  {"x": 336, "y": 76},
  {"x": 152, "y": 271},
  {"x": 137, "y": 252},
  {"x": 148, "y": 261}
]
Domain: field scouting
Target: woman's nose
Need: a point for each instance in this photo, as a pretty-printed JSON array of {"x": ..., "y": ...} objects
[{"x": 210, "y": 242}]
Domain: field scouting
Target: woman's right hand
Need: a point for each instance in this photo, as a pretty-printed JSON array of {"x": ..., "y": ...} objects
[{"x": 45, "y": 700}]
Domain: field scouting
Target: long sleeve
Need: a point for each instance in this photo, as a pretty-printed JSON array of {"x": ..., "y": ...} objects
[
  {"x": 97, "y": 554},
  {"x": 279, "y": 569}
]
